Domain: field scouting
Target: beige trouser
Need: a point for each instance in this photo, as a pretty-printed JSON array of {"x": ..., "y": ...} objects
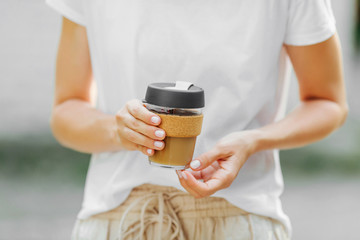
[{"x": 159, "y": 212}]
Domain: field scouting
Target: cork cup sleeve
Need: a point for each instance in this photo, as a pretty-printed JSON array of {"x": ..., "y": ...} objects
[{"x": 181, "y": 126}]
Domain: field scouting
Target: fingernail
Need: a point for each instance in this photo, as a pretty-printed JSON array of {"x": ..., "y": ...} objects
[
  {"x": 184, "y": 175},
  {"x": 195, "y": 164},
  {"x": 179, "y": 173},
  {"x": 155, "y": 119},
  {"x": 149, "y": 151},
  {"x": 159, "y": 133},
  {"x": 158, "y": 144}
]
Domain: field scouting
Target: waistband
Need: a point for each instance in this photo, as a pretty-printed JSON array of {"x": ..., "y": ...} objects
[
  {"x": 181, "y": 203},
  {"x": 149, "y": 207}
]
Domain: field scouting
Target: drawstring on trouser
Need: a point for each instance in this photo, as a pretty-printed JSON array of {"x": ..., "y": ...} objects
[{"x": 164, "y": 217}]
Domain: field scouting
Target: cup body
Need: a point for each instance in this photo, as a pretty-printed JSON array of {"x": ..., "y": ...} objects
[{"x": 182, "y": 126}]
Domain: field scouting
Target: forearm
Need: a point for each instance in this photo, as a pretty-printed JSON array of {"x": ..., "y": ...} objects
[
  {"x": 77, "y": 125},
  {"x": 311, "y": 121}
]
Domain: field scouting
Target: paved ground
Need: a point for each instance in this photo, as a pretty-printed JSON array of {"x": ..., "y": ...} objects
[
  {"x": 323, "y": 208},
  {"x": 319, "y": 208}
]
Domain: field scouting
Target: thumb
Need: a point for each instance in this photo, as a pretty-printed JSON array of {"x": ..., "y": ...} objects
[{"x": 205, "y": 159}]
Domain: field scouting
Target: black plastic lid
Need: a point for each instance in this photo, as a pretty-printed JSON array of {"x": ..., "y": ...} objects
[{"x": 165, "y": 95}]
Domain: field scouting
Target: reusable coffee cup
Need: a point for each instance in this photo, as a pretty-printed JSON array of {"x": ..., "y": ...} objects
[{"x": 179, "y": 105}]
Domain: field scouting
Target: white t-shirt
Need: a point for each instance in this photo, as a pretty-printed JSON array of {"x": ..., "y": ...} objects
[{"x": 233, "y": 49}]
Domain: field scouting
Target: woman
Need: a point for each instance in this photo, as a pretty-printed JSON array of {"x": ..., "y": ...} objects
[{"x": 236, "y": 50}]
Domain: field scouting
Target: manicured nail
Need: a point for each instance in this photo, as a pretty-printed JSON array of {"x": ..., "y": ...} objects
[
  {"x": 179, "y": 173},
  {"x": 155, "y": 119},
  {"x": 158, "y": 144},
  {"x": 159, "y": 133},
  {"x": 149, "y": 151},
  {"x": 195, "y": 164},
  {"x": 184, "y": 175}
]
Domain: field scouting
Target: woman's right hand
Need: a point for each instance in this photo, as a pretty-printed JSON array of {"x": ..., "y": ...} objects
[{"x": 137, "y": 128}]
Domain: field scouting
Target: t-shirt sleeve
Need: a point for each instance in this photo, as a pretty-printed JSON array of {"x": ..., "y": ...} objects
[
  {"x": 71, "y": 9},
  {"x": 309, "y": 22}
]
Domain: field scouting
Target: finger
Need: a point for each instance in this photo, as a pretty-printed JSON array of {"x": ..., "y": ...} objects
[
  {"x": 136, "y": 108},
  {"x": 206, "y": 159},
  {"x": 145, "y": 150},
  {"x": 143, "y": 128},
  {"x": 197, "y": 174},
  {"x": 132, "y": 147},
  {"x": 140, "y": 139},
  {"x": 206, "y": 173},
  {"x": 204, "y": 189},
  {"x": 184, "y": 184}
]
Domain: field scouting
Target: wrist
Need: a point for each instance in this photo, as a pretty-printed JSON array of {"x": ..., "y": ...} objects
[
  {"x": 111, "y": 132},
  {"x": 255, "y": 140}
]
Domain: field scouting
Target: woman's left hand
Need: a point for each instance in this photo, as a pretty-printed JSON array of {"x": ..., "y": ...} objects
[{"x": 218, "y": 167}]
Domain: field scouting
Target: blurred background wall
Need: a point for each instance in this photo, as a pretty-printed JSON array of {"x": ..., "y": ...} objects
[{"x": 41, "y": 183}]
